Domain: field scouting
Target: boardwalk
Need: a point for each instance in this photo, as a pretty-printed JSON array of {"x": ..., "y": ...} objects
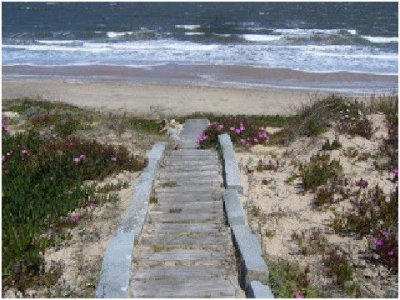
[{"x": 186, "y": 249}]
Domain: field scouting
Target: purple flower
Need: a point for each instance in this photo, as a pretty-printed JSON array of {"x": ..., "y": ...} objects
[
  {"x": 92, "y": 206},
  {"x": 232, "y": 128},
  {"x": 390, "y": 253},
  {"x": 202, "y": 137},
  {"x": 220, "y": 126},
  {"x": 395, "y": 171},
  {"x": 5, "y": 126},
  {"x": 237, "y": 130},
  {"x": 385, "y": 233},
  {"x": 82, "y": 157},
  {"x": 379, "y": 242},
  {"x": 75, "y": 216},
  {"x": 362, "y": 183},
  {"x": 76, "y": 160},
  {"x": 24, "y": 152},
  {"x": 113, "y": 158},
  {"x": 8, "y": 153},
  {"x": 255, "y": 140}
]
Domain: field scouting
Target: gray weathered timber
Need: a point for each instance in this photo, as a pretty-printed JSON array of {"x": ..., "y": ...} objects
[
  {"x": 186, "y": 249},
  {"x": 182, "y": 254},
  {"x": 179, "y": 272},
  {"x": 258, "y": 290},
  {"x": 231, "y": 168},
  {"x": 184, "y": 228},
  {"x": 253, "y": 265},
  {"x": 205, "y": 217},
  {"x": 198, "y": 287},
  {"x": 116, "y": 267},
  {"x": 203, "y": 239},
  {"x": 192, "y": 129},
  {"x": 233, "y": 208}
]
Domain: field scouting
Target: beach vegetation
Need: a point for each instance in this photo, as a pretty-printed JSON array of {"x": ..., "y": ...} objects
[
  {"x": 310, "y": 242},
  {"x": 288, "y": 280},
  {"x": 318, "y": 171},
  {"x": 328, "y": 146},
  {"x": 338, "y": 267},
  {"x": 46, "y": 188},
  {"x": 243, "y": 132}
]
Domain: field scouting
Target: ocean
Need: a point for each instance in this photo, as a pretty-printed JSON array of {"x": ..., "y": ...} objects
[{"x": 309, "y": 37}]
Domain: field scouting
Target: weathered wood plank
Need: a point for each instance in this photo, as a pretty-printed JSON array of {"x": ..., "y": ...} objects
[
  {"x": 174, "y": 228},
  {"x": 205, "y": 217},
  {"x": 182, "y": 255},
  {"x": 215, "y": 239}
]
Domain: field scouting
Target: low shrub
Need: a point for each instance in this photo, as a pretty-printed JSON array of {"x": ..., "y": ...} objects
[
  {"x": 387, "y": 248},
  {"x": 334, "y": 146},
  {"x": 318, "y": 171},
  {"x": 338, "y": 267},
  {"x": 310, "y": 241},
  {"x": 356, "y": 126},
  {"x": 371, "y": 212}
]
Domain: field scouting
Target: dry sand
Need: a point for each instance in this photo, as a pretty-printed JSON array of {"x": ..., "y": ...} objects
[
  {"x": 152, "y": 99},
  {"x": 284, "y": 209}
]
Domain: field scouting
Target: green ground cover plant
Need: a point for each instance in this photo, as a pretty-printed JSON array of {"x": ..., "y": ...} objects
[
  {"x": 289, "y": 280},
  {"x": 43, "y": 185}
]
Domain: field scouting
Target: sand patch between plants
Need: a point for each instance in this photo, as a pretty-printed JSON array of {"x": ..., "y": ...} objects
[{"x": 277, "y": 206}]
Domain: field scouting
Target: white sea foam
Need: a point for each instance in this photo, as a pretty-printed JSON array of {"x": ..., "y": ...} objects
[
  {"x": 113, "y": 34},
  {"x": 261, "y": 37},
  {"x": 188, "y": 27},
  {"x": 299, "y": 31},
  {"x": 194, "y": 33},
  {"x": 380, "y": 39}
]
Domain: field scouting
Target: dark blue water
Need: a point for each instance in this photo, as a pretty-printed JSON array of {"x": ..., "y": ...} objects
[{"x": 324, "y": 37}]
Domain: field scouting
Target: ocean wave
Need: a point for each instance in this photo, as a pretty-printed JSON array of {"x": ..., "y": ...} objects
[
  {"x": 299, "y": 31},
  {"x": 188, "y": 27},
  {"x": 380, "y": 39},
  {"x": 261, "y": 37},
  {"x": 113, "y": 34},
  {"x": 194, "y": 33}
]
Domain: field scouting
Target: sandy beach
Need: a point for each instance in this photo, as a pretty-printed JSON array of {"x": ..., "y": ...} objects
[{"x": 149, "y": 99}]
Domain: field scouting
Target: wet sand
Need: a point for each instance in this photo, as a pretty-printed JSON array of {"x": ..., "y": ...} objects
[{"x": 184, "y": 89}]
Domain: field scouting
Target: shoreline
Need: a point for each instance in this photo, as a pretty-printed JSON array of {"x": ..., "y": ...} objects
[
  {"x": 235, "y": 76},
  {"x": 152, "y": 99}
]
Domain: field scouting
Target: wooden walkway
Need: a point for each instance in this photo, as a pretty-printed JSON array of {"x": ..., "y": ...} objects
[{"x": 186, "y": 249}]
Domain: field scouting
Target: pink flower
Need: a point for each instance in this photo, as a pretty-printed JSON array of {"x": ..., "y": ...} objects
[
  {"x": 395, "y": 171},
  {"x": 75, "y": 216},
  {"x": 297, "y": 294},
  {"x": 255, "y": 140},
  {"x": 379, "y": 242},
  {"x": 113, "y": 158},
  {"x": 220, "y": 127},
  {"x": 237, "y": 130},
  {"x": 24, "y": 151},
  {"x": 76, "y": 160},
  {"x": 92, "y": 206},
  {"x": 5, "y": 126},
  {"x": 242, "y": 141},
  {"x": 8, "y": 153},
  {"x": 202, "y": 137},
  {"x": 82, "y": 157},
  {"x": 232, "y": 128},
  {"x": 390, "y": 253}
]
